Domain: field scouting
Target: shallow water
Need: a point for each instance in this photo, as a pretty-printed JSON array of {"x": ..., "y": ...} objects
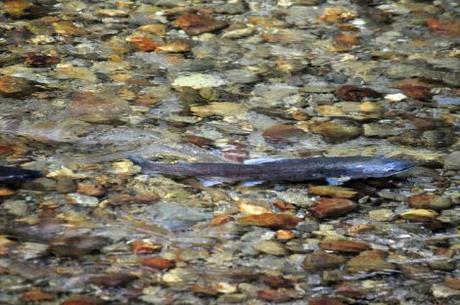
[{"x": 85, "y": 84}]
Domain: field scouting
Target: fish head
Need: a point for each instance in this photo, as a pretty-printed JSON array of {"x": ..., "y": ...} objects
[{"x": 385, "y": 167}]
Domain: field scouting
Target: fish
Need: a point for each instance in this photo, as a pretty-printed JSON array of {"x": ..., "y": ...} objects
[
  {"x": 336, "y": 170},
  {"x": 11, "y": 174}
]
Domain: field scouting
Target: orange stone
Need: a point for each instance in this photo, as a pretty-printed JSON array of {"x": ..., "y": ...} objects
[
  {"x": 284, "y": 235},
  {"x": 347, "y": 39},
  {"x": 219, "y": 220},
  {"x": 5, "y": 192},
  {"x": 418, "y": 92},
  {"x": 452, "y": 282},
  {"x": 81, "y": 301},
  {"x": 270, "y": 220},
  {"x": 158, "y": 262},
  {"x": 145, "y": 44},
  {"x": 90, "y": 189},
  {"x": 329, "y": 207},
  {"x": 194, "y": 24},
  {"x": 283, "y": 205},
  {"x": 444, "y": 27},
  {"x": 177, "y": 46},
  {"x": 344, "y": 246},
  {"x": 276, "y": 295},
  {"x": 279, "y": 133},
  {"x": 37, "y": 295},
  {"x": 145, "y": 247},
  {"x": 324, "y": 301}
]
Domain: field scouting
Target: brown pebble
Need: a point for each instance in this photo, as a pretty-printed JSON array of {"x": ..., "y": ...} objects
[
  {"x": 176, "y": 46},
  {"x": 330, "y": 207},
  {"x": 429, "y": 201},
  {"x": 219, "y": 220},
  {"x": 344, "y": 246},
  {"x": 277, "y": 295},
  {"x": 284, "y": 235},
  {"x": 367, "y": 261},
  {"x": 5, "y": 192},
  {"x": 40, "y": 60},
  {"x": 283, "y": 205},
  {"x": 145, "y": 247},
  {"x": 11, "y": 86},
  {"x": 444, "y": 27},
  {"x": 347, "y": 39},
  {"x": 199, "y": 141},
  {"x": 112, "y": 279},
  {"x": 83, "y": 300},
  {"x": 77, "y": 246},
  {"x": 90, "y": 189},
  {"x": 452, "y": 282},
  {"x": 324, "y": 301},
  {"x": 97, "y": 108},
  {"x": 158, "y": 262},
  {"x": 194, "y": 24},
  {"x": 270, "y": 220},
  {"x": 203, "y": 291},
  {"x": 276, "y": 281},
  {"x": 332, "y": 191},
  {"x": 361, "y": 228},
  {"x": 37, "y": 295},
  {"x": 336, "y": 132},
  {"x": 355, "y": 290},
  {"x": 417, "y": 92},
  {"x": 282, "y": 133},
  {"x": 145, "y": 44},
  {"x": 322, "y": 260},
  {"x": 354, "y": 93}
]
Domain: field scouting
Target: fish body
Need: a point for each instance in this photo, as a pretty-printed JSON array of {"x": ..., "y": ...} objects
[
  {"x": 10, "y": 174},
  {"x": 341, "y": 168}
]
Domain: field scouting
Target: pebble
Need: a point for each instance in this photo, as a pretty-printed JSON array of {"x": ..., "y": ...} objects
[
  {"x": 441, "y": 291},
  {"x": 221, "y": 109},
  {"x": 354, "y": 93},
  {"x": 418, "y": 214},
  {"x": 77, "y": 246},
  {"x": 335, "y": 131},
  {"x": 97, "y": 108},
  {"x": 270, "y": 247},
  {"x": 382, "y": 215},
  {"x": 199, "y": 81},
  {"x": 452, "y": 161},
  {"x": 332, "y": 191},
  {"x": 429, "y": 201},
  {"x": 332, "y": 207},
  {"x": 158, "y": 262},
  {"x": 37, "y": 295},
  {"x": 396, "y": 97},
  {"x": 15, "y": 207},
  {"x": 83, "y": 200},
  {"x": 347, "y": 246},
  {"x": 270, "y": 220},
  {"x": 381, "y": 130},
  {"x": 11, "y": 86},
  {"x": 322, "y": 261},
  {"x": 324, "y": 301},
  {"x": 368, "y": 261},
  {"x": 194, "y": 24}
]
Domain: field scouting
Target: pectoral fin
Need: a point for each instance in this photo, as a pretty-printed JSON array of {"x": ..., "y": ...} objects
[{"x": 337, "y": 180}]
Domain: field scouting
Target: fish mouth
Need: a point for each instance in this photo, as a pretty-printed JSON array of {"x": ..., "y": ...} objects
[{"x": 400, "y": 166}]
